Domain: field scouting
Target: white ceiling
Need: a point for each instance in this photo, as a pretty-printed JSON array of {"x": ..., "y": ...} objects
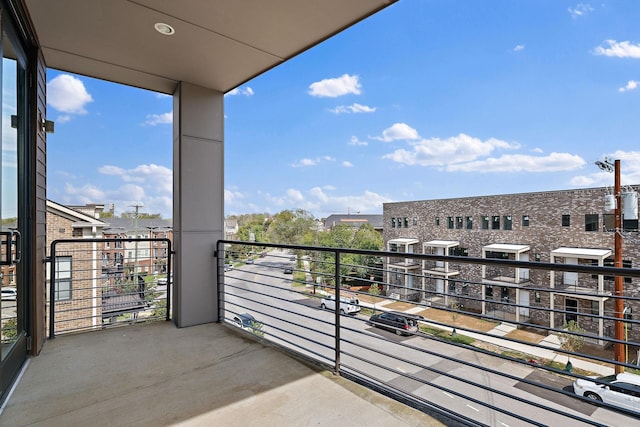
[{"x": 218, "y": 44}]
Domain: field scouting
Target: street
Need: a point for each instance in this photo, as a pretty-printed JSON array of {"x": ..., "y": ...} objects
[{"x": 481, "y": 387}]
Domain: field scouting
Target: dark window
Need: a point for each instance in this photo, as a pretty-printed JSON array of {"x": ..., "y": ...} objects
[
  {"x": 630, "y": 224},
  {"x": 566, "y": 220},
  {"x": 415, "y": 221},
  {"x": 485, "y": 223},
  {"x": 525, "y": 220},
  {"x": 469, "y": 223},
  {"x": 591, "y": 222},
  {"x": 495, "y": 222},
  {"x": 458, "y": 222},
  {"x": 393, "y": 223},
  {"x": 450, "y": 222},
  {"x": 505, "y": 294},
  {"x": 459, "y": 251},
  {"x": 438, "y": 221},
  {"x": 537, "y": 297},
  {"x": 393, "y": 247},
  {"x": 507, "y": 222},
  {"x": 609, "y": 221},
  {"x": 489, "y": 292}
]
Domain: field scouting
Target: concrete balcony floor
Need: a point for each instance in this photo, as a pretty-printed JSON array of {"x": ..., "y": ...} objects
[{"x": 208, "y": 375}]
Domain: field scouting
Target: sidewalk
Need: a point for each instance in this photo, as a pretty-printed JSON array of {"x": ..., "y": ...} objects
[{"x": 503, "y": 329}]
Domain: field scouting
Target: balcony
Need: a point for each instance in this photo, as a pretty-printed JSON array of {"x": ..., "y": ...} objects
[
  {"x": 299, "y": 363},
  {"x": 156, "y": 374}
]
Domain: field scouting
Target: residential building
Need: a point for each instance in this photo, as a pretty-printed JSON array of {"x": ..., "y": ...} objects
[
  {"x": 353, "y": 220},
  {"x": 77, "y": 292},
  {"x": 572, "y": 227}
]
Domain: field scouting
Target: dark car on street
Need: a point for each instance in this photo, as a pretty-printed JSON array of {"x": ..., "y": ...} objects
[{"x": 395, "y": 321}]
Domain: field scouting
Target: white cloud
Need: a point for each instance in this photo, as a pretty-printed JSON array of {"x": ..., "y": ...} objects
[
  {"x": 240, "y": 91},
  {"x": 232, "y": 197},
  {"x": 616, "y": 49},
  {"x": 554, "y": 162},
  {"x": 67, "y": 94},
  {"x": 353, "y": 108},
  {"x": 456, "y": 149},
  {"x": 631, "y": 85},
  {"x": 398, "y": 131},
  {"x": 294, "y": 195},
  {"x": 159, "y": 119},
  {"x": 629, "y": 171},
  {"x": 347, "y": 164},
  {"x": 332, "y": 88},
  {"x": 355, "y": 141},
  {"x": 518, "y": 48},
  {"x": 158, "y": 178},
  {"x": 312, "y": 162},
  {"x": 581, "y": 9}
]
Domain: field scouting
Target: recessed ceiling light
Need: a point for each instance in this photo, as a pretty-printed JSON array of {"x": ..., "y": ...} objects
[{"x": 165, "y": 29}]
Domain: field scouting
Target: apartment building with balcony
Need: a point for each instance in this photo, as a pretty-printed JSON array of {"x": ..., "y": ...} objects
[{"x": 572, "y": 227}]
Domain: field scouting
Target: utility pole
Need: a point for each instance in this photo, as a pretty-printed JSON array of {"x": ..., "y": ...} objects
[
  {"x": 618, "y": 308},
  {"x": 618, "y": 284},
  {"x": 137, "y": 206}
]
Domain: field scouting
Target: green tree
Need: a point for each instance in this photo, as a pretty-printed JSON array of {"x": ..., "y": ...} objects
[
  {"x": 289, "y": 227},
  {"x": 569, "y": 340}
]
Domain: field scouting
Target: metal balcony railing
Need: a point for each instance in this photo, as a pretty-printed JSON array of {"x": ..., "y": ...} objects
[
  {"x": 99, "y": 283},
  {"x": 477, "y": 358}
]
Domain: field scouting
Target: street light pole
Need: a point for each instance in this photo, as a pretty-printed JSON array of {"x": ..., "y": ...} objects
[{"x": 618, "y": 285}]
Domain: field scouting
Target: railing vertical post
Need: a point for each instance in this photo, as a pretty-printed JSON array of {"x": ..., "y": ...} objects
[
  {"x": 170, "y": 283},
  {"x": 52, "y": 291},
  {"x": 337, "y": 311}
]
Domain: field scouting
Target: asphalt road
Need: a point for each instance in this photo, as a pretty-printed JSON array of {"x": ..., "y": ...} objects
[{"x": 464, "y": 384}]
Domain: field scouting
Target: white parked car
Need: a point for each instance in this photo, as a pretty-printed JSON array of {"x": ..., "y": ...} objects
[
  {"x": 9, "y": 293},
  {"x": 622, "y": 390},
  {"x": 348, "y": 305}
]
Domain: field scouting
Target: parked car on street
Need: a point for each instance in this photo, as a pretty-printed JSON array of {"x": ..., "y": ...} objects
[
  {"x": 244, "y": 321},
  {"x": 348, "y": 305},
  {"x": 288, "y": 271},
  {"x": 395, "y": 321},
  {"x": 9, "y": 293},
  {"x": 228, "y": 267},
  {"x": 622, "y": 390}
]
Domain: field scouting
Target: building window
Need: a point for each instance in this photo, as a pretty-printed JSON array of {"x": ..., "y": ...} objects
[
  {"x": 393, "y": 223},
  {"x": 458, "y": 251},
  {"x": 566, "y": 220},
  {"x": 438, "y": 221},
  {"x": 495, "y": 222},
  {"x": 465, "y": 289},
  {"x": 591, "y": 222},
  {"x": 525, "y": 220},
  {"x": 469, "y": 221},
  {"x": 393, "y": 247},
  {"x": 106, "y": 244},
  {"x": 452, "y": 288},
  {"x": 459, "y": 222},
  {"x": 485, "y": 223},
  {"x": 505, "y": 294},
  {"x": 406, "y": 222},
  {"x": 609, "y": 221},
  {"x": 489, "y": 292},
  {"x": 537, "y": 297},
  {"x": 63, "y": 278},
  {"x": 450, "y": 222},
  {"x": 595, "y": 310},
  {"x": 415, "y": 221},
  {"x": 507, "y": 222}
]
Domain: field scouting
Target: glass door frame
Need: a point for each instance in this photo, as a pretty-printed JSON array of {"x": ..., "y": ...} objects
[{"x": 16, "y": 353}]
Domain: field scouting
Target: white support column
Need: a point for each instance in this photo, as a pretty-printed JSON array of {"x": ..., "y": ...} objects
[{"x": 198, "y": 201}]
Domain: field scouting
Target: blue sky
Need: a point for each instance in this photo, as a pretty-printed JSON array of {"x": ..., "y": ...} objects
[{"x": 426, "y": 99}]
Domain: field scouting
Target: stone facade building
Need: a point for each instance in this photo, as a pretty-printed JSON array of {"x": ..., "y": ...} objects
[{"x": 570, "y": 227}]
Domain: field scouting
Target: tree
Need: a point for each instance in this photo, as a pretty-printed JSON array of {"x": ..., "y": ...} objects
[
  {"x": 289, "y": 227},
  {"x": 572, "y": 340}
]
